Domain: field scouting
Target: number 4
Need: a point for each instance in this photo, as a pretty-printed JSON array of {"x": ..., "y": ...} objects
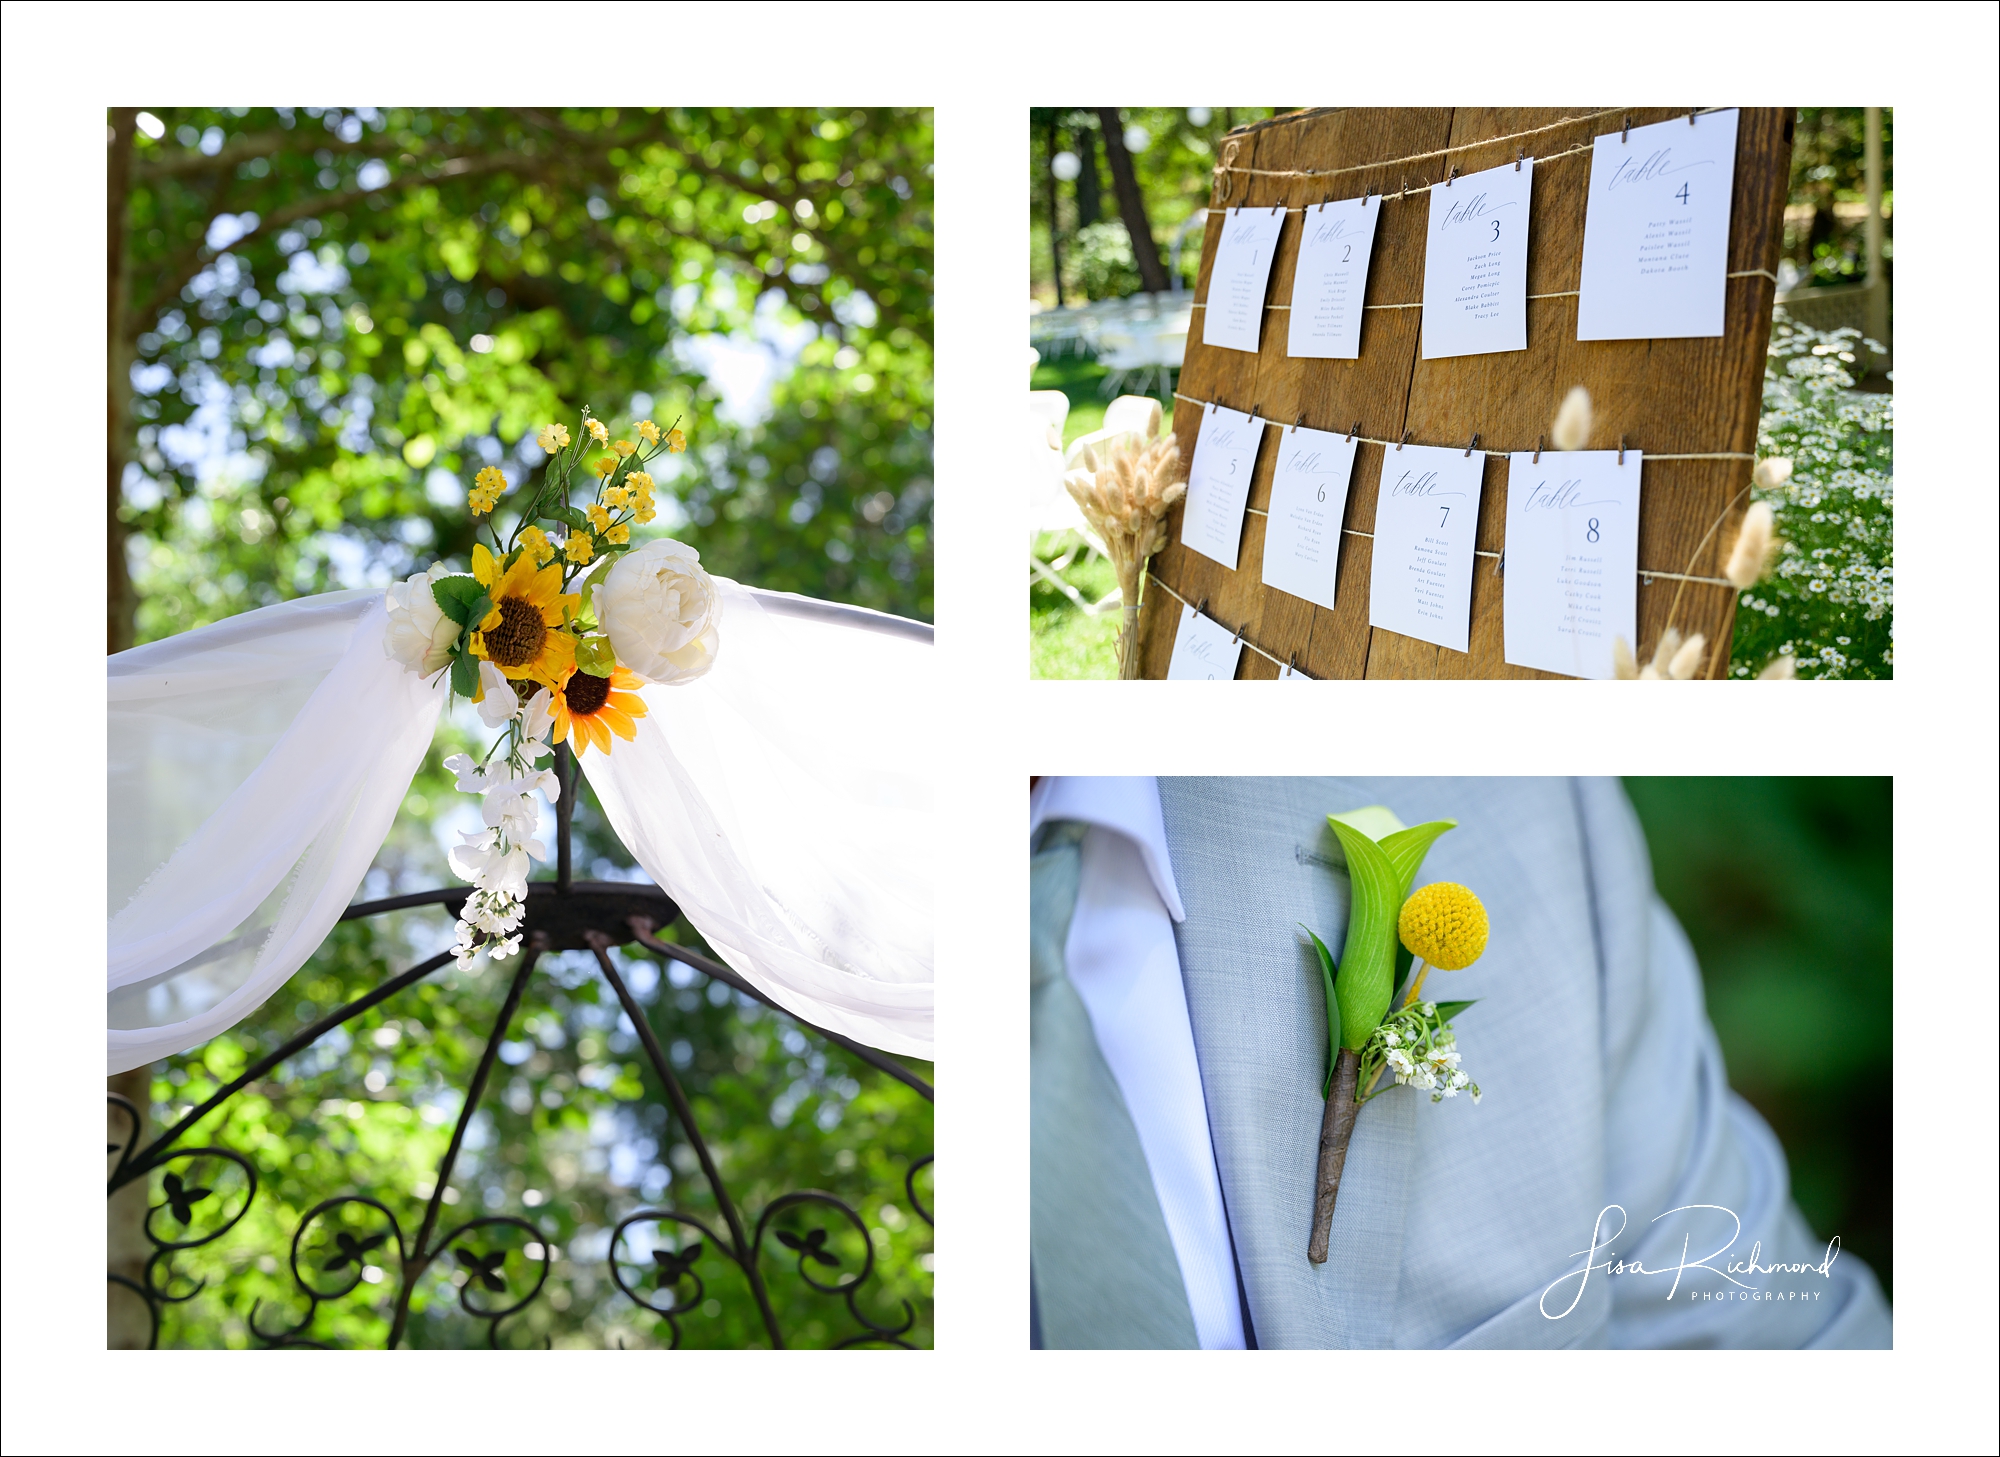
[{"x": 1683, "y": 194}]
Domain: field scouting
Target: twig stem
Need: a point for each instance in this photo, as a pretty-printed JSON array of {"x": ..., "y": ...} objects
[{"x": 1335, "y": 1130}]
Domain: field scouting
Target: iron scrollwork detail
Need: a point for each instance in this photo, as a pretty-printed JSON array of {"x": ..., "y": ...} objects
[{"x": 201, "y": 1186}]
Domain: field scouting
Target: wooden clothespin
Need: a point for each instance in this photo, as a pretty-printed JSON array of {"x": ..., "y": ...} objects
[
  {"x": 1404, "y": 441},
  {"x": 1354, "y": 430},
  {"x": 1625, "y": 136},
  {"x": 1470, "y": 443},
  {"x": 1621, "y": 450},
  {"x": 1540, "y": 440}
]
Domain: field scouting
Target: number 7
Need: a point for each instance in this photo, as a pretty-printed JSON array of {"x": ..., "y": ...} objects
[{"x": 1444, "y": 518}]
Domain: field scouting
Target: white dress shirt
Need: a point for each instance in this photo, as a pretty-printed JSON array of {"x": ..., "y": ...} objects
[{"x": 1124, "y": 965}]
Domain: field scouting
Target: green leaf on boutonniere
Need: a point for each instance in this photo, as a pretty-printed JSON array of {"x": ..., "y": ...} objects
[
  {"x": 1326, "y": 976},
  {"x": 1404, "y": 961},
  {"x": 1379, "y": 873},
  {"x": 1447, "y": 1010}
]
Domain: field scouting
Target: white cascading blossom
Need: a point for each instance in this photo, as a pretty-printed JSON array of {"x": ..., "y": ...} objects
[
  {"x": 1419, "y": 1050},
  {"x": 420, "y": 635},
  {"x": 496, "y": 859},
  {"x": 661, "y": 612}
]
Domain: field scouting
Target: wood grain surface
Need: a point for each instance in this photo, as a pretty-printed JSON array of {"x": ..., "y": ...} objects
[{"x": 1662, "y": 396}]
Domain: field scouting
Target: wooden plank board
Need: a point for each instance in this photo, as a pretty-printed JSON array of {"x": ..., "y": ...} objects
[{"x": 1664, "y": 396}]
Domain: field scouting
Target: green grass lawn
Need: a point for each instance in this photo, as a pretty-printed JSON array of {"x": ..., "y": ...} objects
[{"x": 1065, "y": 641}]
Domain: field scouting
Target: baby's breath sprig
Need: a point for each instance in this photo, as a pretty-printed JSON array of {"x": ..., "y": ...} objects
[{"x": 1418, "y": 1048}]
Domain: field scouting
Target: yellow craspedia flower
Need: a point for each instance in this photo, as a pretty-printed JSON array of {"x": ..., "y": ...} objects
[
  {"x": 648, "y": 432},
  {"x": 639, "y": 481},
  {"x": 599, "y": 517},
  {"x": 553, "y": 438},
  {"x": 1444, "y": 924},
  {"x": 618, "y": 535},
  {"x": 623, "y": 447},
  {"x": 577, "y": 547},
  {"x": 676, "y": 441},
  {"x": 604, "y": 465},
  {"x": 597, "y": 431}
]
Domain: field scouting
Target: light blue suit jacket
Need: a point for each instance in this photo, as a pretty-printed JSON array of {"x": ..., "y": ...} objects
[{"x": 1603, "y": 1086}]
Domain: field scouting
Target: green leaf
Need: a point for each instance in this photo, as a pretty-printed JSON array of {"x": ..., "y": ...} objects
[
  {"x": 594, "y": 656},
  {"x": 1404, "y": 961},
  {"x": 1327, "y": 972},
  {"x": 455, "y": 596},
  {"x": 1374, "y": 820},
  {"x": 476, "y": 614},
  {"x": 1406, "y": 850},
  {"x": 1448, "y": 1010},
  {"x": 590, "y": 582},
  {"x": 465, "y": 675},
  {"x": 1367, "y": 962},
  {"x": 570, "y": 516}
]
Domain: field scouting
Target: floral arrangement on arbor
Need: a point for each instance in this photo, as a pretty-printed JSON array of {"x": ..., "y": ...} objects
[
  {"x": 1390, "y": 932},
  {"x": 552, "y": 637}
]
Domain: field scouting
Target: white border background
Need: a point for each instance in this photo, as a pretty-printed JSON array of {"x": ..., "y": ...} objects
[{"x": 1933, "y": 727}]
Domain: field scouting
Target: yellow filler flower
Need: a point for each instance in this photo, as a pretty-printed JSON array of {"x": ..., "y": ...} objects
[
  {"x": 1445, "y": 926},
  {"x": 592, "y": 709},
  {"x": 521, "y": 635},
  {"x": 648, "y": 432},
  {"x": 553, "y": 438},
  {"x": 487, "y": 489}
]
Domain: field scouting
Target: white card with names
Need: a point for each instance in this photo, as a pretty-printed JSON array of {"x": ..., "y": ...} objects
[
  {"x": 1476, "y": 264},
  {"x": 1308, "y": 504},
  {"x": 1330, "y": 284},
  {"x": 1571, "y": 578},
  {"x": 1203, "y": 648},
  {"x": 1233, "y": 313},
  {"x": 1225, "y": 453},
  {"x": 1426, "y": 517},
  {"x": 1656, "y": 231}
]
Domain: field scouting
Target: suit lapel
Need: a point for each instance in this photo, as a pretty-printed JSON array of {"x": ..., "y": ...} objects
[{"x": 1250, "y": 857}]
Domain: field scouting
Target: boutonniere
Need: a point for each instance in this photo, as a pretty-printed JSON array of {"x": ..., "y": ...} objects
[{"x": 1390, "y": 933}]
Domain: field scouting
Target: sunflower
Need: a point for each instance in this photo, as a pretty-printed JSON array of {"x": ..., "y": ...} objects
[
  {"x": 519, "y": 636},
  {"x": 592, "y": 709}
]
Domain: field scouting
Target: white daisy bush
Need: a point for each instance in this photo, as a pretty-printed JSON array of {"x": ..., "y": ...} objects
[
  {"x": 1417, "y": 1047},
  {"x": 1830, "y": 600}
]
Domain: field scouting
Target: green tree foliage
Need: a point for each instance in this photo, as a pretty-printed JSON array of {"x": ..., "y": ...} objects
[
  {"x": 1783, "y": 886},
  {"x": 366, "y": 306},
  {"x": 350, "y": 311},
  {"x": 1174, "y": 169},
  {"x": 1825, "y": 223}
]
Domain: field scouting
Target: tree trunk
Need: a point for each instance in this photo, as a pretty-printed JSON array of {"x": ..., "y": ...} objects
[
  {"x": 118, "y": 359},
  {"x": 1055, "y": 226},
  {"x": 127, "y": 1324},
  {"x": 1131, "y": 206},
  {"x": 1089, "y": 198}
]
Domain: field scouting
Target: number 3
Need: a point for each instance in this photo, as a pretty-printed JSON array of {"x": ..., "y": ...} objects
[{"x": 1496, "y": 230}]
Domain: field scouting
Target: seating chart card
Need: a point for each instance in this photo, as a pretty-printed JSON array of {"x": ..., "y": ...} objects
[
  {"x": 1656, "y": 231},
  {"x": 1225, "y": 452},
  {"x": 1476, "y": 264},
  {"x": 1234, "y": 310},
  {"x": 1571, "y": 578},
  {"x": 1426, "y": 514},
  {"x": 1203, "y": 648},
  {"x": 1308, "y": 505},
  {"x": 1289, "y": 674},
  {"x": 1330, "y": 285}
]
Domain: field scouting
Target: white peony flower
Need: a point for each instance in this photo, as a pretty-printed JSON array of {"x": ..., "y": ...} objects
[
  {"x": 660, "y": 610},
  {"x": 420, "y": 635},
  {"x": 501, "y": 702}
]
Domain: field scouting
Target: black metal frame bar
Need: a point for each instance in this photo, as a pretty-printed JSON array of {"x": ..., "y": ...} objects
[{"x": 562, "y": 914}]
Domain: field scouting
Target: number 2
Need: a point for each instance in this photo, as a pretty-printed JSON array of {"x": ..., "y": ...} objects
[
  {"x": 1591, "y": 534},
  {"x": 1347, "y": 253},
  {"x": 1683, "y": 194},
  {"x": 1496, "y": 230},
  {"x": 1444, "y": 518}
]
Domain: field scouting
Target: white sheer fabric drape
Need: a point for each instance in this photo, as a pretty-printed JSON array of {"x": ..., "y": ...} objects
[{"x": 783, "y": 801}]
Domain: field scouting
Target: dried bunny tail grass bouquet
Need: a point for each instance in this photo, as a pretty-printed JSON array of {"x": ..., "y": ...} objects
[{"x": 1125, "y": 486}]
